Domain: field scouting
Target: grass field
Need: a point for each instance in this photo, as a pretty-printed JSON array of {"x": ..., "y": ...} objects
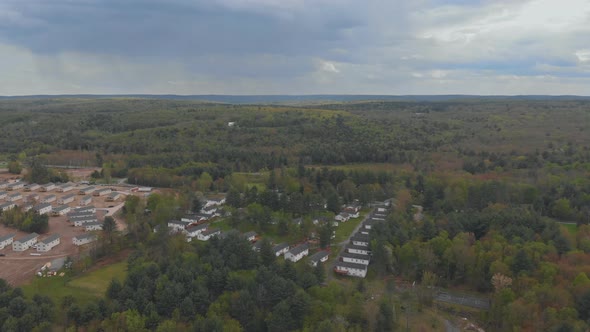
[
  {"x": 85, "y": 288},
  {"x": 571, "y": 228},
  {"x": 344, "y": 230}
]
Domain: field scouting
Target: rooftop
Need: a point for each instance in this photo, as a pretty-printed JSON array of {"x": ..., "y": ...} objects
[
  {"x": 351, "y": 265},
  {"x": 7, "y": 237},
  {"x": 27, "y": 237},
  {"x": 318, "y": 256},
  {"x": 299, "y": 249},
  {"x": 50, "y": 238}
]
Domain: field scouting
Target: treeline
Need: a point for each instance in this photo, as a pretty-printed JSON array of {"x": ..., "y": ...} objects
[
  {"x": 493, "y": 237},
  {"x": 223, "y": 285},
  {"x": 171, "y": 134},
  {"x": 17, "y": 313}
]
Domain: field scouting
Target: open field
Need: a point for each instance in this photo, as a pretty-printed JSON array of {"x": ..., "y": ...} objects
[
  {"x": 85, "y": 288},
  {"x": 571, "y": 228},
  {"x": 344, "y": 230}
]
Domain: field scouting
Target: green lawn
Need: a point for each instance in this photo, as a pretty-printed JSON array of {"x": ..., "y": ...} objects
[
  {"x": 572, "y": 228},
  {"x": 344, "y": 230},
  {"x": 85, "y": 288}
]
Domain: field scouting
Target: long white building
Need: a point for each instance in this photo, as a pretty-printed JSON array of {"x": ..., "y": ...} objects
[{"x": 48, "y": 243}]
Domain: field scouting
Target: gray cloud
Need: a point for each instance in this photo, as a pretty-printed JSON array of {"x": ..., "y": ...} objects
[{"x": 294, "y": 46}]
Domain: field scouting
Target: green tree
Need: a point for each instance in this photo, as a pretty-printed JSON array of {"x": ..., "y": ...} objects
[{"x": 14, "y": 167}]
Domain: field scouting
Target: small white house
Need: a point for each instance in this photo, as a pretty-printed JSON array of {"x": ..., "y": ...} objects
[
  {"x": 48, "y": 187},
  {"x": 178, "y": 225},
  {"x": 25, "y": 243},
  {"x": 83, "y": 221},
  {"x": 342, "y": 217},
  {"x": 355, "y": 258},
  {"x": 93, "y": 226},
  {"x": 318, "y": 257},
  {"x": 48, "y": 199},
  {"x": 210, "y": 210},
  {"x": 7, "y": 206},
  {"x": 250, "y": 236},
  {"x": 360, "y": 240},
  {"x": 48, "y": 243},
  {"x": 14, "y": 197},
  {"x": 64, "y": 188},
  {"x": 32, "y": 187},
  {"x": 194, "y": 231},
  {"x": 209, "y": 233},
  {"x": 61, "y": 210},
  {"x": 351, "y": 269},
  {"x": 198, "y": 217},
  {"x": 297, "y": 253},
  {"x": 80, "y": 215},
  {"x": 84, "y": 239},
  {"x": 3, "y": 194},
  {"x": 102, "y": 192},
  {"x": 6, "y": 240},
  {"x": 85, "y": 200},
  {"x": 3, "y": 184},
  {"x": 217, "y": 201},
  {"x": 86, "y": 191},
  {"x": 27, "y": 207},
  {"x": 280, "y": 249},
  {"x": 89, "y": 208},
  {"x": 66, "y": 199},
  {"x": 43, "y": 208},
  {"x": 351, "y": 248},
  {"x": 15, "y": 186}
]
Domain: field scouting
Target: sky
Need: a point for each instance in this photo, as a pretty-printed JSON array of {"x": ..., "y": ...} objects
[{"x": 393, "y": 47}]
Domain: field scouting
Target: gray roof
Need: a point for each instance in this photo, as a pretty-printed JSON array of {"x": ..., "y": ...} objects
[
  {"x": 3, "y": 205},
  {"x": 75, "y": 213},
  {"x": 84, "y": 208},
  {"x": 196, "y": 227},
  {"x": 27, "y": 237},
  {"x": 15, "y": 195},
  {"x": 318, "y": 256},
  {"x": 61, "y": 208},
  {"x": 360, "y": 237},
  {"x": 69, "y": 196},
  {"x": 280, "y": 246},
  {"x": 41, "y": 206},
  {"x": 211, "y": 231},
  {"x": 178, "y": 222},
  {"x": 83, "y": 219},
  {"x": 50, "y": 238},
  {"x": 3, "y": 192},
  {"x": 299, "y": 249},
  {"x": 114, "y": 194},
  {"x": 356, "y": 256},
  {"x": 352, "y": 265},
  {"x": 352, "y": 246},
  {"x": 6, "y": 237}
]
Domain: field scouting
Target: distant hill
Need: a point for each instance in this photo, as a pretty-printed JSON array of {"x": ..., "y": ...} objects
[{"x": 289, "y": 99}]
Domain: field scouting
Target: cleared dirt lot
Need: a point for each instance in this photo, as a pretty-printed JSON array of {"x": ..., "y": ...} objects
[{"x": 19, "y": 267}]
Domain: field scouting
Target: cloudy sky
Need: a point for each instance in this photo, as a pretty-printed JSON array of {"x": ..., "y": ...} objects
[{"x": 295, "y": 46}]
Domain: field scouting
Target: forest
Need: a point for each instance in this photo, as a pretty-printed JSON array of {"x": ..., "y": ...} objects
[{"x": 490, "y": 197}]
